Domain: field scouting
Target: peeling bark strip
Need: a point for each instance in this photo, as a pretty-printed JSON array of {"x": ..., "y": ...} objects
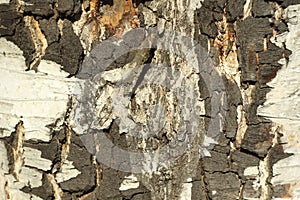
[{"x": 44, "y": 155}]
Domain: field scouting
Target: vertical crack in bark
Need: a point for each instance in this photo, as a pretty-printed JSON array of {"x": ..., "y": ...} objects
[
  {"x": 242, "y": 118},
  {"x": 98, "y": 177},
  {"x": 241, "y": 191},
  {"x": 58, "y": 193},
  {"x": 17, "y": 150},
  {"x": 264, "y": 176},
  {"x": 6, "y": 187},
  {"x": 39, "y": 41},
  {"x": 98, "y": 171},
  {"x": 66, "y": 147},
  {"x": 266, "y": 168},
  {"x": 68, "y": 133}
]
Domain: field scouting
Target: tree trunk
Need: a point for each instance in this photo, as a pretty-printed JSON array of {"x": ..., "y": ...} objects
[{"x": 131, "y": 99}]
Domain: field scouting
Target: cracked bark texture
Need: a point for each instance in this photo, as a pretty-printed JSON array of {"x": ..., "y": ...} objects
[{"x": 47, "y": 47}]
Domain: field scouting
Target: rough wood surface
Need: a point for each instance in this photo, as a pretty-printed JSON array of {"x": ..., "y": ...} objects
[{"x": 149, "y": 99}]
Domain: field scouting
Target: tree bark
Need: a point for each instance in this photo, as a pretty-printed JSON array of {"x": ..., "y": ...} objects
[{"x": 131, "y": 99}]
